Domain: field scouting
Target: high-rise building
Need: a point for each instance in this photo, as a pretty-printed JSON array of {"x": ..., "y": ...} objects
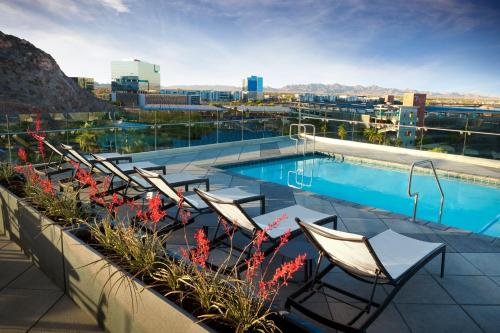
[
  {"x": 253, "y": 88},
  {"x": 418, "y": 100},
  {"x": 389, "y": 99},
  {"x": 86, "y": 83},
  {"x": 148, "y": 74}
]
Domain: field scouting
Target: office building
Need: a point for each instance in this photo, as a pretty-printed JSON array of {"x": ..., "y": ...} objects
[
  {"x": 253, "y": 88},
  {"x": 148, "y": 75},
  {"x": 389, "y": 99},
  {"x": 86, "y": 83},
  {"x": 126, "y": 84},
  {"x": 406, "y": 125},
  {"x": 418, "y": 100}
]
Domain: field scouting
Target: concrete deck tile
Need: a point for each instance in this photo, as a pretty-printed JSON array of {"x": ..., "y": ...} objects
[
  {"x": 404, "y": 226},
  {"x": 66, "y": 316},
  {"x": 33, "y": 278},
  {"x": 471, "y": 289},
  {"x": 496, "y": 279},
  {"x": 21, "y": 308},
  {"x": 488, "y": 263},
  {"x": 11, "y": 269},
  {"x": 425, "y": 318},
  {"x": 468, "y": 243},
  {"x": 341, "y": 280},
  {"x": 486, "y": 316},
  {"x": 455, "y": 264},
  {"x": 388, "y": 321},
  {"x": 422, "y": 289},
  {"x": 364, "y": 226},
  {"x": 348, "y": 211}
]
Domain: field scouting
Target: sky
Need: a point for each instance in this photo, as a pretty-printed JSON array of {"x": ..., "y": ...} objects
[{"x": 429, "y": 45}]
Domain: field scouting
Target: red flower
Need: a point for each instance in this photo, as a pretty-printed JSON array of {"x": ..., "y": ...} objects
[
  {"x": 199, "y": 255},
  {"x": 281, "y": 276},
  {"x": 155, "y": 212},
  {"x": 47, "y": 186},
  {"x": 253, "y": 264},
  {"x": 22, "y": 155},
  {"x": 116, "y": 200}
]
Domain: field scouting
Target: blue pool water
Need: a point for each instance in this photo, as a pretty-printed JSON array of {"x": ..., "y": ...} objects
[{"x": 467, "y": 206}]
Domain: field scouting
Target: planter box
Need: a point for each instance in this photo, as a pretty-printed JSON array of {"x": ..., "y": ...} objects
[
  {"x": 37, "y": 235},
  {"x": 93, "y": 282},
  {"x": 127, "y": 308}
]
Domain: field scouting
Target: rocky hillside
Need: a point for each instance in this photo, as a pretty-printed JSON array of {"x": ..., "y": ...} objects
[{"x": 31, "y": 80}]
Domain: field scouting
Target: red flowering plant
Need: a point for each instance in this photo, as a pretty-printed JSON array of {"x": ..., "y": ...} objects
[
  {"x": 116, "y": 234},
  {"x": 62, "y": 207},
  {"x": 240, "y": 301}
]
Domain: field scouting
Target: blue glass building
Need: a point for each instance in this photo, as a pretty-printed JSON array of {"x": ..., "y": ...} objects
[{"x": 253, "y": 88}]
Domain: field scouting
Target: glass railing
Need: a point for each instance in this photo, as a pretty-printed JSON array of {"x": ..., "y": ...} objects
[
  {"x": 477, "y": 138},
  {"x": 132, "y": 131}
]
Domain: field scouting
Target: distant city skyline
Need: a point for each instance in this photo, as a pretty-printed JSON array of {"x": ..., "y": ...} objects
[{"x": 426, "y": 45}]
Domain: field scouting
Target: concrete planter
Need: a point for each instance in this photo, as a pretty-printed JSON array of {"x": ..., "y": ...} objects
[
  {"x": 38, "y": 236},
  {"x": 128, "y": 308},
  {"x": 92, "y": 281}
]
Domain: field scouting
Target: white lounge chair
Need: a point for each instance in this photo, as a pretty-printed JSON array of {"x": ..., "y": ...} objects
[
  {"x": 388, "y": 258},
  {"x": 232, "y": 212},
  {"x": 137, "y": 183},
  {"x": 166, "y": 184}
]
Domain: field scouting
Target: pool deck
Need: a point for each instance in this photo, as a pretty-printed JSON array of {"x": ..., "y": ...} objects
[{"x": 467, "y": 299}]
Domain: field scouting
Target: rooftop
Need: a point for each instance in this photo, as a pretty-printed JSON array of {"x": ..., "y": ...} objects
[{"x": 466, "y": 299}]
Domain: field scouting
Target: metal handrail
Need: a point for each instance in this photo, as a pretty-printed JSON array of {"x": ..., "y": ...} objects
[
  {"x": 415, "y": 194},
  {"x": 304, "y": 127}
]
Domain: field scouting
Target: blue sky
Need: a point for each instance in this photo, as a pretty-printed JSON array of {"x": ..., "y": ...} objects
[{"x": 436, "y": 45}]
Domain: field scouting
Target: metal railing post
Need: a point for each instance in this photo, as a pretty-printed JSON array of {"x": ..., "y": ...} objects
[{"x": 415, "y": 194}]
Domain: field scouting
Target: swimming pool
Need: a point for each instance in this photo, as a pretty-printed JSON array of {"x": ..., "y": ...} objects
[{"x": 467, "y": 206}]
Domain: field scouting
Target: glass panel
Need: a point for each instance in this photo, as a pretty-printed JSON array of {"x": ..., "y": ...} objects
[
  {"x": 93, "y": 140},
  {"x": 230, "y": 131},
  {"x": 172, "y": 117},
  {"x": 443, "y": 141},
  {"x": 135, "y": 139},
  {"x": 203, "y": 133},
  {"x": 482, "y": 145},
  {"x": 172, "y": 136},
  {"x": 272, "y": 127}
]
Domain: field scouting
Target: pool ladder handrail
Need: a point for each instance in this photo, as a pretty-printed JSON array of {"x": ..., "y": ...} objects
[
  {"x": 415, "y": 194},
  {"x": 300, "y": 171},
  {"x": 304, "y": 127}
]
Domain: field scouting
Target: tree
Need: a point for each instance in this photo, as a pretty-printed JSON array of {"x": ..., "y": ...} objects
[
  {"x": 370, "y": 133},
  {"x": 341, "y": 132}
]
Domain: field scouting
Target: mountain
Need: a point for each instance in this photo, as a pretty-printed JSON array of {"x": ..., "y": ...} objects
[
  {"x": 31, "y": 81},
  {"x": 332, "y": 89},
  {"x": 373, "y": 90}
]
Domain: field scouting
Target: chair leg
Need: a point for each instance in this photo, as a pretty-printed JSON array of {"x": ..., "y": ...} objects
[{"x": 443, "y": 259}]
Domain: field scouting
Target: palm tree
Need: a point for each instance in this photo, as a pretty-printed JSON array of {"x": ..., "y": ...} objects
[{"x": 341, "y": 132}]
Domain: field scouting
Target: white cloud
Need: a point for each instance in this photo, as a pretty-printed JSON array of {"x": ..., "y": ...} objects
[{"x": 117, "y": 5}]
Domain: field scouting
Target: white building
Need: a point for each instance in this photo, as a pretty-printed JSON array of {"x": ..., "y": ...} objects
[{"x": 148, "y": 74}]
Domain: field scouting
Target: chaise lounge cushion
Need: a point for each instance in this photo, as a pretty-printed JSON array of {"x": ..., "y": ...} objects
[
  {"x": 305, "y": 214},
  {"x": 398, "y": 253}
]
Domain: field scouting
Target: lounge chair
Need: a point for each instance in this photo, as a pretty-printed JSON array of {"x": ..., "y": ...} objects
[
  {"x": 137, "y": 183},
  {"x": 89, "y": 161},
  {"x": 388, "y": 258},
  {"x": 57, "y": 167},
  {"x": 166, "y": 184},
  {"x": 233, "y": 213}
]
